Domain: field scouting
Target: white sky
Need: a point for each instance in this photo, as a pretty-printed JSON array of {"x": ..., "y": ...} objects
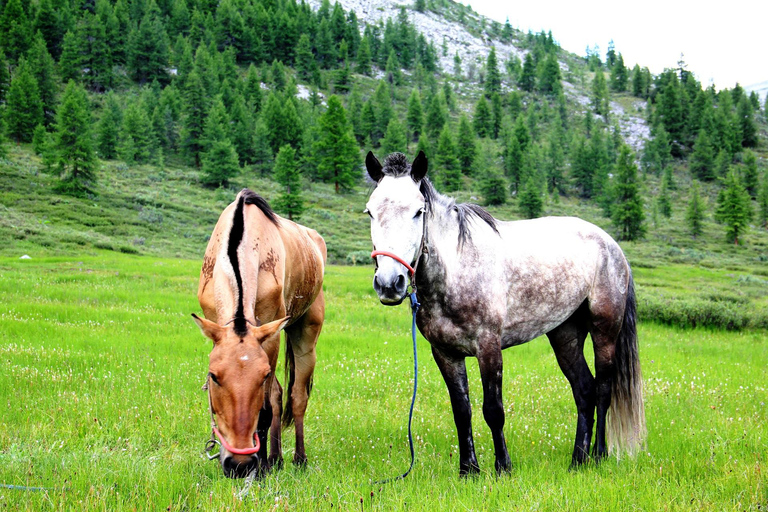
[{"x": 722, "y": 42}]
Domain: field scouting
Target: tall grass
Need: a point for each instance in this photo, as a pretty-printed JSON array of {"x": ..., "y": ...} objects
[{"x": 102, "y": 406}]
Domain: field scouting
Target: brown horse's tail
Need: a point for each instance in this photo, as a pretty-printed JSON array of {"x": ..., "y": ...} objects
[
  {"x": 626, "y": 416},
  {"x": 290, "y": 378}
]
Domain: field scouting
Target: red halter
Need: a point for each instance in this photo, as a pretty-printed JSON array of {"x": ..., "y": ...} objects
[
  {"x": 396, "y": 258},
  {"x": 237, "y": 451}
]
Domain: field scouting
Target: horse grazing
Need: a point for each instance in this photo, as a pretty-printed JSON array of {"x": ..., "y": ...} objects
[
  {"x": 485, "y": 285},
  {"x": 259, "y": 267}
]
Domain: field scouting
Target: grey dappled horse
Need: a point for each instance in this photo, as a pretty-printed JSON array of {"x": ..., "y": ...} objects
[{"x": 485, "y": 285}]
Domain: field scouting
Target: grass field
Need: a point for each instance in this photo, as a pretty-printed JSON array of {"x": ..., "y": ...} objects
[{"x": 103, "y": 407}]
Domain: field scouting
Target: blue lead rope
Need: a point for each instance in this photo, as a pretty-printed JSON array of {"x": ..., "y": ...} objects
[{"x": 414, "y": 308}]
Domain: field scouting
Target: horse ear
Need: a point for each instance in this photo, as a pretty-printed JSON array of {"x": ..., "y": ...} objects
[
  {"x": 419, "y": 167},
  {"x": 210, "y": 329},
  {"x": 268, "y": 329},
  {"x": 374, "y": 167}
]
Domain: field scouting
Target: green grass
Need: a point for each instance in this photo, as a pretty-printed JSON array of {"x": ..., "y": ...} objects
[{"x": 102, "y": 404}]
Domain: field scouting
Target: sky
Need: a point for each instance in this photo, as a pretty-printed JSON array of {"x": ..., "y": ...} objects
[{"x": 722, "y": 43}]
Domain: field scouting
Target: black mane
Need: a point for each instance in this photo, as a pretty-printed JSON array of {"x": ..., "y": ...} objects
[
  {"x": 235, "y": 237},
  {"x": 396, "y": 165}
]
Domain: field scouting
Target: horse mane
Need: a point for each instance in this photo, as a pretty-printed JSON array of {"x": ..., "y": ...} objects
[
  {"x": 235, "y": 238},
  {"x": 465, "y": 212},
  {"x": 396, "y": 165}
]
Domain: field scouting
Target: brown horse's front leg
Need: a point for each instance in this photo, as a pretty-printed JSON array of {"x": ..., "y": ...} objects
[
  {"x": 491, "y": 366},
  {"x": 275, "y": 430},
  {"x": 455, "y": 375}
]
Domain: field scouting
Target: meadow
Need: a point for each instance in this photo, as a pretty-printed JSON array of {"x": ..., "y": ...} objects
[{"x": 103, "y": 408}]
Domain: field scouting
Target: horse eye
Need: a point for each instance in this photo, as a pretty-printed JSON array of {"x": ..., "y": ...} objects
[
  {"x": 418, "y": 213},
  {"x": 267, "y": 376},
  {"x": 368, "y": 212},
  {"x": 213, "y": 378}
]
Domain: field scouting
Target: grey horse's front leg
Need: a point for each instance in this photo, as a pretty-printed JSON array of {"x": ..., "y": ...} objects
[
  {"x": 454, "y": 373},
  {"x": 491, "y": 370}
]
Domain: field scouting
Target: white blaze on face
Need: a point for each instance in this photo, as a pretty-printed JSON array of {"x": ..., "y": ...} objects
[{"x": 396, "y": 208}]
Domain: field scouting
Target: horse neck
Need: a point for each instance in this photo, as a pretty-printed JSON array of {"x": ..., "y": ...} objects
[{"x": 440, "y": 243}]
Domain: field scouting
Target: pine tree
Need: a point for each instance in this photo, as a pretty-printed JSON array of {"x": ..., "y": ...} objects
[
  {"x": 220, "y": 164},
  {"x": 492, "y": 76},
  {"x": 305, "y": 59},
  {"x": 288, "y": 174},
  {"x": 23, "y": 108},
  {"x": 750, "y": 173},
  {"x": 382, "y": 110},
  {"x": 747, "y": 125},
  {"x": 74, "y": 145},
  {"x": 497, "y": 115},
  {"x": 147, "y": 50},
  {"x": 337, "y": 152},
  {"x": 447, "y": 165},
  {"x": 493, "y": 187},
  {"x": 531, "y": 203},
  {"x": 549, "y": 77},
  {"x": 396, "y": 140},
  {"x": 16, "y": 30},
  {"x": 262, "y": 152},
  {"x": 109, "y": 128},
  {"x": 619, "y": 75},
  {"x": 527, "y": 81},
  {"x": 664, "y": 202},
  {"x": 392, "y": 70},
  {"x": 627, "y": 212},
  {"x": 364, "y": 57},
  {"x": 282, "y": 121},
  {"x": 5, "y": 77},
  {"x": 762, "y": 201},
  {"x": 482, "y": 121},
  {"x": 136, "y": 144},
  {"x": 195, "y": 111},
  {"x": 702, "y": 161},
  {"x": 436, "y": 117},
  {"x": 415, "y": 116},
  {"x": 466, "y": 145},
  {"x": 600, "y": 99},
  {"x": 734, "y": 208},
  {"x": 43, "y": 68},
  {"x": 694, "y": 215}
]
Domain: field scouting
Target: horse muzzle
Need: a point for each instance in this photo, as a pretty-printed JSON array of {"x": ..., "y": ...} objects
[{"x": 392, "y": 291}]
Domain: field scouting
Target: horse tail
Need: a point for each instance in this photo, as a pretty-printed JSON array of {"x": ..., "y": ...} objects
[{"x": 626, "y": 416}]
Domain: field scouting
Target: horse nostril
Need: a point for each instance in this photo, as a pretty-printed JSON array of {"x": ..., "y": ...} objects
[{"x": 400, "y": 282}]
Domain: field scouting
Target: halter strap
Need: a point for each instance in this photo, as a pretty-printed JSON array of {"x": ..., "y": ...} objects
[{"x": 422, "y": 250}]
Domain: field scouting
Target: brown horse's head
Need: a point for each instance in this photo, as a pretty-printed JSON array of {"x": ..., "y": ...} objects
[{"x": 238, "y": 371}]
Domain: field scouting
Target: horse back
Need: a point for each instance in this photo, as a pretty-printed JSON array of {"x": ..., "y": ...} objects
[{"x": 282, "y": 267}]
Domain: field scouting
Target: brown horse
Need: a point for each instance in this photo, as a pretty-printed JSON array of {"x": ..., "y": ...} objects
[{"x": 259, "y": 267}]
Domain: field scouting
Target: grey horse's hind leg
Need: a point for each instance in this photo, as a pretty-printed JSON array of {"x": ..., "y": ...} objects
[
  {"x": 491, "y": 365},
  {"x": 604, "y": 336},
  {"x": 567, "y": 340},
  {"x": 454, "y": 372}
]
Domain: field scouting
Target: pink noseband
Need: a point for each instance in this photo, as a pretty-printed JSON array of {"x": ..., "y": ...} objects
[{"x": 237, "y": 451}]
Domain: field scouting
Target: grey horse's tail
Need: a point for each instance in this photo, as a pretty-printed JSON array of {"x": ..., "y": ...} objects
[{"x": 626, "y": 416}]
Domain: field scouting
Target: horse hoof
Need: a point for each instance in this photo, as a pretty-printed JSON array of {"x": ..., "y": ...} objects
[
  {"x": 503, "y": 468},
  {"x": 300, "y": 461},
  {"x": 466, "y": 470},
  {"x": 276, "y": 463}
]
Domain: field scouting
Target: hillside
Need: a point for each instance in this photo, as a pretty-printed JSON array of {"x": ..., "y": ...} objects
[{"x": 501, "y": 115}]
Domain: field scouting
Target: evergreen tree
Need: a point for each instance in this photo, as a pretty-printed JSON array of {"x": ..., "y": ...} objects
[
  {"x": 23, "y": 108},
  {"x": 48, "y": 22},
  {"x": 482, "y": 120},
  {"x": 762, "y": 202},
  {"x": 492, "y": 76},
  {"x": 382, "y": 111},
  {"x": 436, "y": 117},
  {"x": 305, "y": 60},
  {"x": 220, "y": 164},
  {"x": 600, "y": 99},
  {"x": 747, "y": 125},
  {"x": 531, "y": 203},
  {"x": 147, "y": 51},
  {"x": 493, "y": 187},
  {"x": 364, "y": 57},
  {"x": 466, "y": 150},
  {"x": 195, "y": 111},
  {"x": 43, "y": 68},
  {"x": 527, "y": 81},
  {"x": 337, "y": 152},
  {"x": 619, "y": 75},
  {"x": 108, "y": 129},
  {"x": 694, "y": 215},
  {"x": 702, "y": 161},
  {"x": 74, "y": 145},
  {"x": 40, "y": 140},
  {"x": 446, "y": 162},
  {"x": 750, "y": 173},
  {"x": 93, "y": 60},
  {"x": 5, "y": 77},
  {"x": 549, "y": 76},
  {"x": 282, "y": 121},
  {"x": 16, "y": 30},
  {"x": 457, "y": 67},
  {"x": 396, "y": 139},
  {"x": 513, "y": 156},
  {"x": 627, "y": 212},
  {"x": 415, "y": 116},
  {"x": 497, "y": 115},
  {"x": 392, "y": 69},
  {"x": 262, "y": 152},
  {"x": 734, "y": 207},
  {"x": 136, "y": 144},
  {"x": 288, "y": 174}
]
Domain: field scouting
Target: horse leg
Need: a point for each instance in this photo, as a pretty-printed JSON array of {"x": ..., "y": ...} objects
[
  {"x": 454, "y": 372},
  {"x": 275, "y": 430},
  {"x": 604, "y": 341},
  {"x": 491, "y": 365},
  {"x": 301, "y": 338},
  {"x": 567, "y": 341},
  {"x": 269, "y": 416}
]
